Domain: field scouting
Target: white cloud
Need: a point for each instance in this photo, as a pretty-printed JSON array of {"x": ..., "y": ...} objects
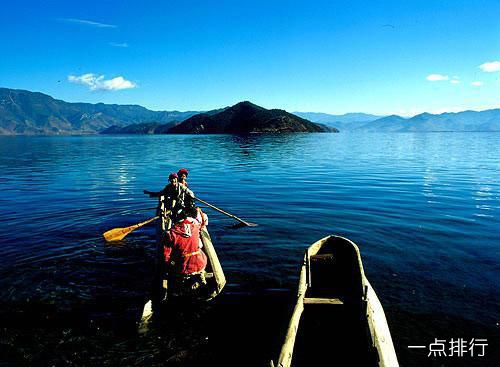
[
  {"x": 437, "y": 77},
  {"x": 477, "y": 84},
  {"x": 490, "y": 67},
  {"x": 86, "y": 79},
  {"x": 117, "y": 83},
  {"x": 455, "y": 81},
  {"x": 123, "y": 45},
  {"x": 95, "y": 82},
  {"x": 89, "y": 23}
]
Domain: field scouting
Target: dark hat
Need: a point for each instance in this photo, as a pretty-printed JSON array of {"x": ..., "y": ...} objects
[
  {"x": 172, "y": 175},
  {"x": 183, "y": 171}
]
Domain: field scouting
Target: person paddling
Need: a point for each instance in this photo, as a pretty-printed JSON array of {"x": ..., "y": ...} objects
[
  {"x": 183, "y": 254},
  {"x": 176, "y": 196}
]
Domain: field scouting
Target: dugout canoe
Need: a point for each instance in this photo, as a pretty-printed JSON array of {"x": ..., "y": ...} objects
[
  {"x": 215, "y": 277},
  {"x": 338, "y": 317}
]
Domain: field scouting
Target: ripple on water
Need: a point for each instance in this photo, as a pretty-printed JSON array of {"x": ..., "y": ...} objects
[{"x": 424, "y": 209}]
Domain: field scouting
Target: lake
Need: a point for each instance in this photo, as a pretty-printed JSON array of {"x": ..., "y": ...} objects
[{"x": 424, "y": 209}]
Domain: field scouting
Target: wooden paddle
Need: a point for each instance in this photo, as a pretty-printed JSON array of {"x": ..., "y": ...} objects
[
  {"x": 118, "y": 234},
  {"x": 248, "y": 224}
]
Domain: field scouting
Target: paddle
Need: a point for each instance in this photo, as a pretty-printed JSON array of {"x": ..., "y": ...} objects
[
  {"x": 118, "y": 234},
  {"x": 248, "y": 224}
]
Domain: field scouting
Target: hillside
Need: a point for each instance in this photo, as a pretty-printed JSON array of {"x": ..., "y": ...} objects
[
  {"x": 246, "y": 117},
  {"x": 32, "y": 113},
  {"x": 488, "y": 120},
  {"x": 142, "y": 128}
]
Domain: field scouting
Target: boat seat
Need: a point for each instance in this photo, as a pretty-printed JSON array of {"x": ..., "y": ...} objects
[
  {"x": 322, "y": 258},
  {"x": 322, "y": 301}
]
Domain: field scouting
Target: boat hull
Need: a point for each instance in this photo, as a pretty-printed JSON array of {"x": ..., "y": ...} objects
[
  {"x": 214, "y": 275},
  {"x": 337, "y": 316}
]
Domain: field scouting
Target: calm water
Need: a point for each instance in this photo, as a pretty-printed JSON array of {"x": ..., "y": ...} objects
[{"x": 423, "y": 208}]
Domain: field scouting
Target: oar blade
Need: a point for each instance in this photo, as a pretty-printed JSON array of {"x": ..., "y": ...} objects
[{"x": 116, "y": 234}]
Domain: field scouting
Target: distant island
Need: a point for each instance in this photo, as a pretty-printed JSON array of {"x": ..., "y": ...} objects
[
  {"x": 246, "y": 117},
  {"x": 31, "y": 113}
]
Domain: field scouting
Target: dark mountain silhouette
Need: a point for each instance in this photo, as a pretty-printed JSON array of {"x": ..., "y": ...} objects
[
  {"x": 33, "y": 113},
  {"x": 246, "y": 117}
]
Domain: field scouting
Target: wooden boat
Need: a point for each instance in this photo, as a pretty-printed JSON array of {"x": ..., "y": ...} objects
[
  {"x": 341, "y": 319},
  {"x": 214, "y": 274}
]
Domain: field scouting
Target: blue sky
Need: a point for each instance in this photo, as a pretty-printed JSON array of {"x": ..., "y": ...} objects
[{"x": 383, "y": 57}]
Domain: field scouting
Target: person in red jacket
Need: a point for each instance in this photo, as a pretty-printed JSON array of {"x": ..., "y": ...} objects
[{"x": 184, "y": 256}]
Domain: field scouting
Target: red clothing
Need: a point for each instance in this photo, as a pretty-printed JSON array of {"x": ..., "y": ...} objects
[{"x": 182, "y": 248}]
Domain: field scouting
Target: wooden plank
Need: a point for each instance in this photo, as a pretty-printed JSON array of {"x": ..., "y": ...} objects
[
  {"x": 209, "y": 249},
  {"x": 322, "y": 301},
  {"x": 379, "y": 329},
  {"x": 286, "y": 354}
]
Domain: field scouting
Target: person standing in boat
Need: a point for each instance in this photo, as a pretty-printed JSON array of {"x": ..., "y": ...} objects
[
  {"x": 177, "y": 197},
  {"x": 183, "y": 254},
  {"x": 183, "y": 174}
]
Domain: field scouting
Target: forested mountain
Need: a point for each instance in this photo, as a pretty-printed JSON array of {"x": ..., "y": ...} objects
[
  {"x": 33, "y": 113},
  {"x": 246, "y": 117}
]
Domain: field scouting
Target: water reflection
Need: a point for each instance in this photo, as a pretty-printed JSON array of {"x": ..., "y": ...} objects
[{"x": 484, "y": 202}]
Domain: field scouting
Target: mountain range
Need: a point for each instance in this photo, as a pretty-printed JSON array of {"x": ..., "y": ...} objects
[
  {"x": 488, "y": 120},
  {"x": 31, "y": 113}
]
